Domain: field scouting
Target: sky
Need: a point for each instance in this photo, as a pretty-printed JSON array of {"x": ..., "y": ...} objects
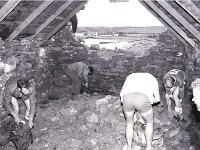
[{"x": 104, "y": 13}]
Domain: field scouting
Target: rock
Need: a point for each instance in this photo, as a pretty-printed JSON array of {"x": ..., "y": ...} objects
[
  {"x": 83, "y": 128},
  {"x": 120, "y": 127},
  {"x": 48, "y": 114},
  {"x": 93, "y": 142},
  {"x": 95, "y": 47},
  {"x": 73, "y": 144},
  {"x": 174, "y": 132},
  {"x": 68, "y": 111},
  {"x": 103, "y": 104},
  {"x": 157, "y": 121},
  {"x": 92, "y": 119},
  {"x": 192, "y": 148},
  {"x": 103, "y": 101},
  {"x": 110, "y": 121},
  {"x": 115, "y": 106},
  {"x": 55, "y": 119}
]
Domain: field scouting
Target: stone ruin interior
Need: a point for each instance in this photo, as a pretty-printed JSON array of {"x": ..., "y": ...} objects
[{"x": 35, "y": 41}]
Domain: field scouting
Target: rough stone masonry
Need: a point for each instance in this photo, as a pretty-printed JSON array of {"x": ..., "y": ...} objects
[{"x": 42, "y": 64}]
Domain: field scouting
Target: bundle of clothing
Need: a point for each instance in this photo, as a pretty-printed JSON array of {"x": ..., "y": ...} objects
[{"x": 21, "y": 136}]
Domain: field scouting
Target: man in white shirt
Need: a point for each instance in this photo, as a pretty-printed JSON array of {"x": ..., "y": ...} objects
[{"x": 139, "y": 92}]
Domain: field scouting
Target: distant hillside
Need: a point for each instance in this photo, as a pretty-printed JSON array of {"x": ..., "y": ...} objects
[{"x": 153, "y": 29}]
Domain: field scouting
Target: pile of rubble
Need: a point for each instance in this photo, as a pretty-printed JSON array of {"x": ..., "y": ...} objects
[{"x": 97, "y": 122}]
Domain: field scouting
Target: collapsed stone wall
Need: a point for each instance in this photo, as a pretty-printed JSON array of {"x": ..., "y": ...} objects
[
  {"x": 40, "y": 63},
  {"x": 44, "y": 64},
  {"x": 110, "y": 72}
]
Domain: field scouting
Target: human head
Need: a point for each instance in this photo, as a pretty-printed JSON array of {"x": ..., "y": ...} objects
[
  {"x": 196, "y": 97},
  {"x": 23, "y": 85},
  {"x": 91, "y": 70},
  {"x": 196, "y": 92},
  {"x": 170, "y": 82},
  {"x": 69, "y": 26}
]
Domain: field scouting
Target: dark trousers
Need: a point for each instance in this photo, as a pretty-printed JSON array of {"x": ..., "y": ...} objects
[{"x": 76, "y": 80}]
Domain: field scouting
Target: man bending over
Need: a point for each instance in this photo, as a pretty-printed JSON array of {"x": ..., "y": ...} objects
[
  {"x": 20, "y": 88},
  {"x": 139, "y": 92}
]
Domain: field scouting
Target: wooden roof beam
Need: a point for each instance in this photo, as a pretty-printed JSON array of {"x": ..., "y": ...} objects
[
  {"x": 182, "y": 40},
  {"x": 190, "y": 8},
  {"x": 180, "y": 19},
  {"x": 30, "y": 18},
  {"x": 50, "y": 19},
  {"x": 64, "y": 21},
  {"x": 7, "y": 8},
  {"x": 171, "y": 23}
]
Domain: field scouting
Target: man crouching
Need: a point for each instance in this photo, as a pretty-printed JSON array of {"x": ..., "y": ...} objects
[
  {"x": 20, "y": 88},
  {"x": 139, "y": 92}
]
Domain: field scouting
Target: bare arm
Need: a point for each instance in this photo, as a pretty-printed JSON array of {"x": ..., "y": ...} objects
[
  {"x": 85, "y": 75},
  {"x": 32, "y": 103},
  {"x": 176, "y": 98},
  {"x": 7, "y": 101},
  {"x": 156, "y": 93}
]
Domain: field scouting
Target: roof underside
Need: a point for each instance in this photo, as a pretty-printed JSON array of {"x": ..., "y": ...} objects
[
  {"x": 45, "y": 18},
  {"x": 22, "y": 18}
]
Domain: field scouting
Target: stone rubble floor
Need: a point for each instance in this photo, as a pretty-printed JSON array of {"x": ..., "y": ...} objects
[{"x": 96, "y": 122}]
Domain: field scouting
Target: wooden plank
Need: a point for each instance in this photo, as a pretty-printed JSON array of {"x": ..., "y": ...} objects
[
  {"x": 190, "y": 8},
  {"x": 171, "y": 23},
  {"x": 50, "y": 19},
  {"x": 30, "y": 18},
  {"x": 182, "y": 40},
  {"x": 64, "y": 21},
  {"x": 7, "y": 8},
  {"x": 179, "y": 18}
]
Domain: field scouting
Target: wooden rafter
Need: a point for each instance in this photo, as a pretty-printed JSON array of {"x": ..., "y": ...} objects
[
  {"x": 72, "y": 13},
  {"x": 182, "y": 40},
  {"x": 179, "y": 18},
  {"x": 30, "y": 18},
  {"x": 50, "y": 19},
  {"x": 171, "y": 23},
  {"x": 7, "y": 8},
  {"x": 191, "y": 8}
]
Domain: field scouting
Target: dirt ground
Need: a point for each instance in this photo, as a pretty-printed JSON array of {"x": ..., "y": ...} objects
[{"x": 96, "y": 122}]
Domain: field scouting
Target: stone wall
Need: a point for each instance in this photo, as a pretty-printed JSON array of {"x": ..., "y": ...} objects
[
  {"x": 42, "y": 64},
  {"x": 112, "y": 67}
]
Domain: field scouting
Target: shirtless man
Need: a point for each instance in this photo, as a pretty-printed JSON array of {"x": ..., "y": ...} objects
[
  {"x": 139, "y": 92},
  {"x": 20, "y": 88},
  {"x": 174, "y": 82}
]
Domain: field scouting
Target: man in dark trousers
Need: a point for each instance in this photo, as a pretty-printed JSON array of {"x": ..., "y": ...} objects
[
  {"x": 17, "y": 87},
  {"x": 78, "y": 73}
]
